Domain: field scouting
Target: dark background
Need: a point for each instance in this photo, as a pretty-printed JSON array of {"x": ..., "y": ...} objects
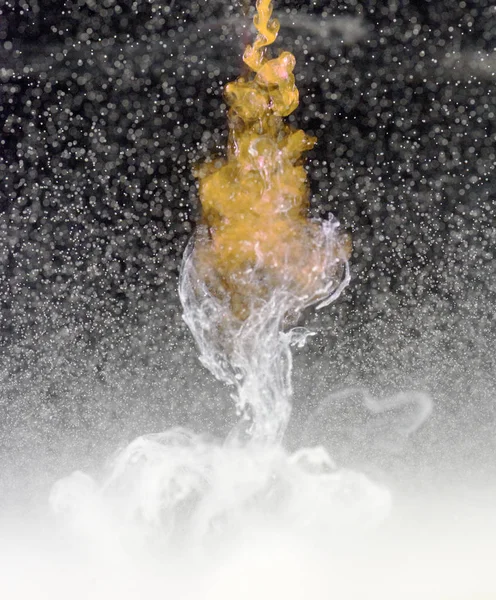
[{"x": 106, "y": 105}]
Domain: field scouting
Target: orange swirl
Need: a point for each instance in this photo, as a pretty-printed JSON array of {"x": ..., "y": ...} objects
[{"x": 257, "y": 235}]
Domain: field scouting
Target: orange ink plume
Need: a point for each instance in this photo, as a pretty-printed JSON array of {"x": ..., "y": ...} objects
[{"x": 256, "y": 235}]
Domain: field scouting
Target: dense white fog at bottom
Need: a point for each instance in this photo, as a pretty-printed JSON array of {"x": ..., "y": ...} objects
[
  {"x": 179, "y": 516},
  {"x": 264, "y": 563}
]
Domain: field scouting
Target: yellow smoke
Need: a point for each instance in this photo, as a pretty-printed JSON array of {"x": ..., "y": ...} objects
[{"x": 257, "y": 235}]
